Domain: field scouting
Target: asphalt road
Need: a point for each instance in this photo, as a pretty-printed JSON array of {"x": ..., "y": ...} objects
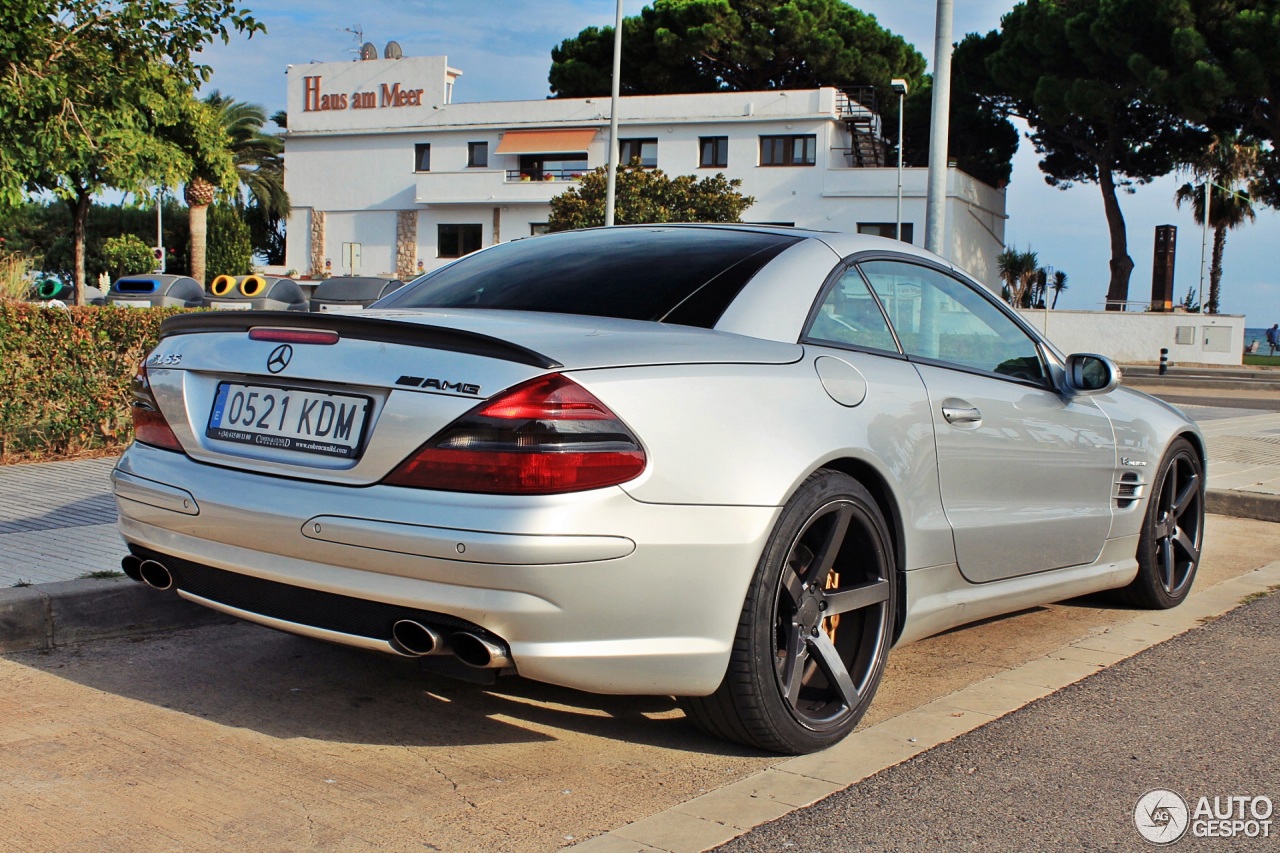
[{"x": 1196, "y": 716}]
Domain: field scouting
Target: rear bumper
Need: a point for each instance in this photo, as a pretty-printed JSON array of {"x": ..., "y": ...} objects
[{"x": 592, "y": 590}]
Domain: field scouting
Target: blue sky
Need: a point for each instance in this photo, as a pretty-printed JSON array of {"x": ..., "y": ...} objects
[{"x": 503, "y": 48}]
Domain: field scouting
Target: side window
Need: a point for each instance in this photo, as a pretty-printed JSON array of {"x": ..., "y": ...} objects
[
  {"x": 849, "y": 315},
  {"x": 943, "y": 319}
]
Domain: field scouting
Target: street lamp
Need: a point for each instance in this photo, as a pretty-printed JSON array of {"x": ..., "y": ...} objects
[{"x": 900, "y": 86}]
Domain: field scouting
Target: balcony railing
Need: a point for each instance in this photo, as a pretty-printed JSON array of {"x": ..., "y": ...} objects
[{"x": 516, "y": 175}]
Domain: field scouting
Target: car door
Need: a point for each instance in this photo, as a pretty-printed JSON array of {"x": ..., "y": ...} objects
[{"x": 1025, "y": 472}]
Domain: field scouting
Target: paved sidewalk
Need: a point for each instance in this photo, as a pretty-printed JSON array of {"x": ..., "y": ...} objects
[{"x": 57, "y": 521}]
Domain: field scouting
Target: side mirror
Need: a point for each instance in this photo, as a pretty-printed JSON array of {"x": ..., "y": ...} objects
[{"x": 1089, "y": 373}]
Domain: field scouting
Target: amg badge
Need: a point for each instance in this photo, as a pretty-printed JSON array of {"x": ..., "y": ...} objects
[{"x": 439, "y": 385}]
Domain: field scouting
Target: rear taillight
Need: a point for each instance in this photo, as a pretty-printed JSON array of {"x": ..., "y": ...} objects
[
  {"x": 149, "y": 425},
  {"x": 545, "y": 436}
]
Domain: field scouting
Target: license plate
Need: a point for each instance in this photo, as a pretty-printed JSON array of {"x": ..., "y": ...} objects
[{"x": 289, "y": 419}]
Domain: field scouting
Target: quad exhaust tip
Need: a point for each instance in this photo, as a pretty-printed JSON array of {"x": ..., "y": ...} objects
[
  {"x": 155, "y": 575},
  {"x": 480, "y": 653},
  {"x": 414, "y": 639}
]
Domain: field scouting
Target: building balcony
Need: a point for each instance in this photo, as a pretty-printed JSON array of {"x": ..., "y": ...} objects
[{"x": 492, "y": 186}]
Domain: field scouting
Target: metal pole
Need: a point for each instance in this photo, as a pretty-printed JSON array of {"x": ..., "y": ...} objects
[
  {"x": 612, "y": 182},
  {"x": 160, "y": 261},
  {"x": 935, "y": 219},
  {"x": 1204, "y": 240},
  {"x": 897, "y": 227}
]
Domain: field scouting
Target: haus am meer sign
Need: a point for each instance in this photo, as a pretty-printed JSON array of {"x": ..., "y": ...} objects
[{"x": 385, "y": 95}]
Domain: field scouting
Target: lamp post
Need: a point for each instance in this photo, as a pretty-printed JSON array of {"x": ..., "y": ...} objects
[{"x": 900, "y": 86}]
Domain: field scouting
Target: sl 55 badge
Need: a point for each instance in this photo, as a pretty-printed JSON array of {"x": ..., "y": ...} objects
[{"x": 165, "y": 359}]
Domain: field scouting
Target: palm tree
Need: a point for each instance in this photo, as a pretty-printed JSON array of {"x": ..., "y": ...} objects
[
  {"x": 1058, "y": 285},
  {"x": 1227, "y": 163},
  {"x": 259, "y": 168},
  {"x": 1018, "y": 273}
]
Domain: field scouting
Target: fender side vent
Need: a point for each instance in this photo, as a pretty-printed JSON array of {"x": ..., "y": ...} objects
[{"x": 1128, "y": 489}]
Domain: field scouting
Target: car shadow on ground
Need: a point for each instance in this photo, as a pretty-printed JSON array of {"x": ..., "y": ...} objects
[
  {"x": 99, "y": 509},
  {"x": 285, "y": 686}
]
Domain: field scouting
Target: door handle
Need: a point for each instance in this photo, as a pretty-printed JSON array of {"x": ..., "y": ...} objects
[{"x": 961, "y": 415}]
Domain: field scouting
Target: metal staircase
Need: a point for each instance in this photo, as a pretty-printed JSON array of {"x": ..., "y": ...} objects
[{"x": 856, "y": 106}]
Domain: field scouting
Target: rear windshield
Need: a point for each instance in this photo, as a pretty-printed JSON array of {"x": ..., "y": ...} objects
[{"x": 686, "y": 276}]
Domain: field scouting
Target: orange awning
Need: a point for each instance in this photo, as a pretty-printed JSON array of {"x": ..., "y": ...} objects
[{"x": 546, "y": 141}]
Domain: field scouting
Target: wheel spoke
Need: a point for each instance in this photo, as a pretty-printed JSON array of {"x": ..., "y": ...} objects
[
  {"x": 1188, "y": 547},
  {"x": 856, "y": 597},
  {"x": 1166, "y": 562},
  {"x": 797, "y": 565},
  {"x": 1183, "y": 500},
  {"x": 792, "y": 667},
  {"x": 1168, "y": 492},
  {"x": 825, "y": 556},
  {"x": 828, "y": 659}
]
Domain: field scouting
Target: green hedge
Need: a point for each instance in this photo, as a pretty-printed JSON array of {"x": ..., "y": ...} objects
[{"x": 64, "y": 376}]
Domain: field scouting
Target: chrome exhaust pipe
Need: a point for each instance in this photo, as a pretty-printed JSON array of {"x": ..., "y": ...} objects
[
  {"x": 480, "y": 653},
  {"x": 155, "y": 575},
  {"x": 130, "y": 565},
  {"x": 413, "y": 639}
]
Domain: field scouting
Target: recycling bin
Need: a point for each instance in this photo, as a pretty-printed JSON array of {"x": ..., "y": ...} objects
[
  {"x": 47, "y": 289},
  {"x": 255, "y": 293},
  {"x": 347, "y": 294},
  {"x": 156, "y": 291}
]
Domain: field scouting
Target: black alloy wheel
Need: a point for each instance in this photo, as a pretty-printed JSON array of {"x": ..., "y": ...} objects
[
  {"x": 1172, "y": 537},
  {"x": 816, "y": 626}
]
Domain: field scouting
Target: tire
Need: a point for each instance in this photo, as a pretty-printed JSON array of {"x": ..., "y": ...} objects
[
  {"x": 815, "y": 628},
  {"x": 1172, "y": 537}
]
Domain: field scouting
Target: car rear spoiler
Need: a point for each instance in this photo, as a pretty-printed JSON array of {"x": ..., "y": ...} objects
[{"x": 359, "y": 328}]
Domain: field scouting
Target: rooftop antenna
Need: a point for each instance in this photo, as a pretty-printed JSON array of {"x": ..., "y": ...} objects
[{"x": 358, "y": 32}]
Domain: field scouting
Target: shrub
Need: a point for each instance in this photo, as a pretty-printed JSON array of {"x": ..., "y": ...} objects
[
  {"x": 66, "y": 376},
  {"x": 230, "y": 251},
  {"x": 13, "y": 275},
  {"x": 127, "y": 255}
]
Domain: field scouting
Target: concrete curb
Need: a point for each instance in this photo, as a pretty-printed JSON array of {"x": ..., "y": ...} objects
[
  {"x": 69, "y": 612},
  {"x": 1257, "y": 505}
]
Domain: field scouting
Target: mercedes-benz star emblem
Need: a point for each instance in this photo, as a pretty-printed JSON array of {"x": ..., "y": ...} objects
[{"x": 279, "y": 358}]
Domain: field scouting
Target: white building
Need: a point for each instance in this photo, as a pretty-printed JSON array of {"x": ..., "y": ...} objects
[{"x": 388, "y": 175}]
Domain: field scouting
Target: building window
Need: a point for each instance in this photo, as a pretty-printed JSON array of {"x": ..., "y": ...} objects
[
  {"x": 794, "y": 150},
  {"x": 477, "y": 155},
  {"x": 713, "y": 152},
  {"x": 536, "y": 228},
  {"x": 644, "y": 150},
  {"x": 885, "y": 229},
  {"x": 550, "y": 167},
  {"x": 422, "y": 157},
  {"x": 454, "y": 241}
]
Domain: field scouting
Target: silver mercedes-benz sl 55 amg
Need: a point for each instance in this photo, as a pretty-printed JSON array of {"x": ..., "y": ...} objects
[{"x": 732, "y": 464}]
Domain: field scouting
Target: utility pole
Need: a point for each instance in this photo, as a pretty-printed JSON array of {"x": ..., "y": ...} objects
[
  {"x": 611, "y": 183},
  {"x": 935, "y": 219}
]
